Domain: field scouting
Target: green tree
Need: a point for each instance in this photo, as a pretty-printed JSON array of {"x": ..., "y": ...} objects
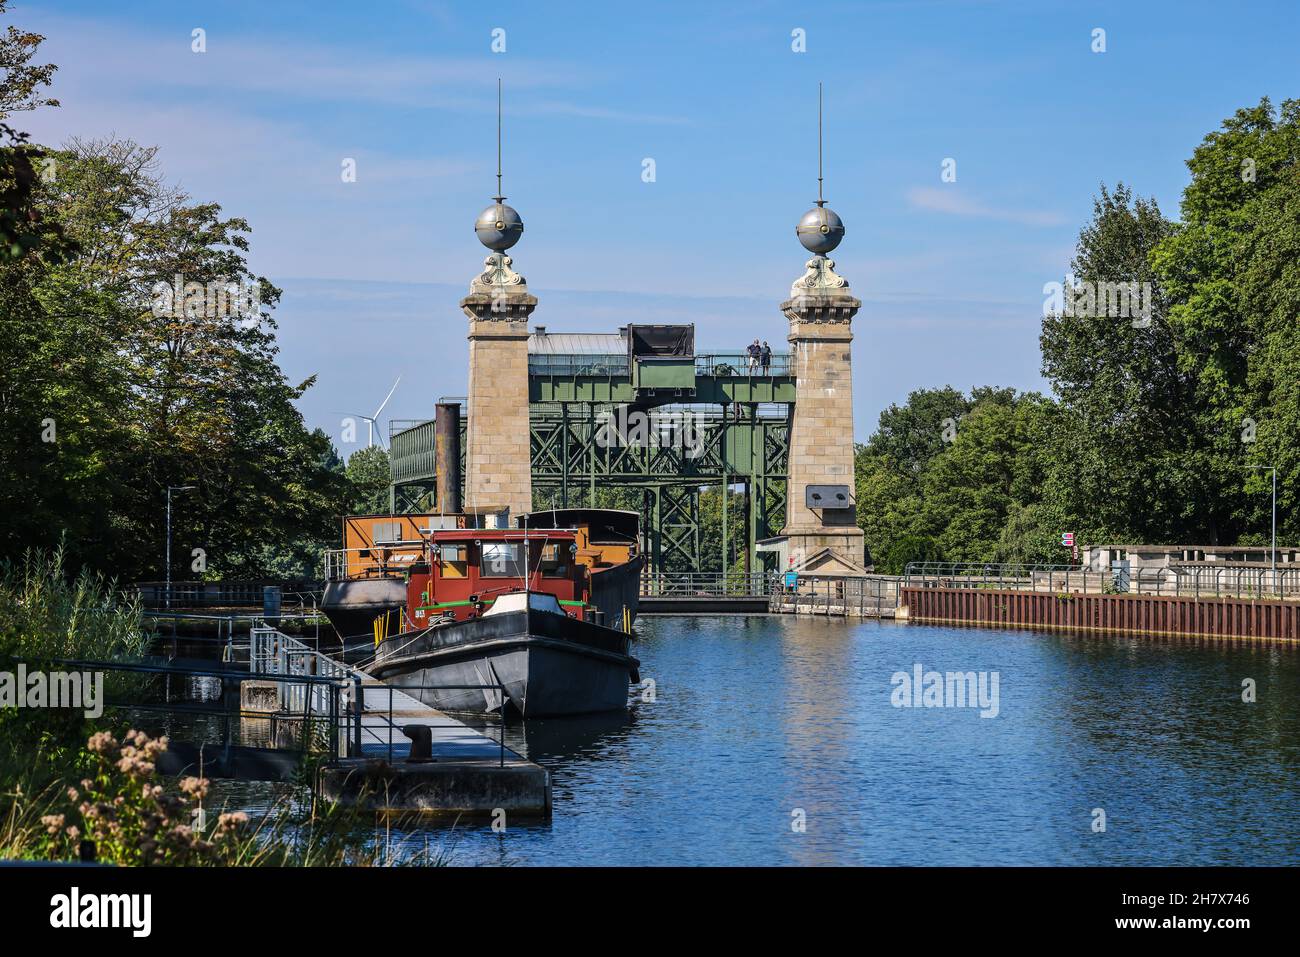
[
  {"x": 144, "y": 393},
  {"x": 21, "y": 81},
  {"x": 1128, "y": 404},
  {"x": 368, "y": 480},
  {"x": 1232, "y": 271}
]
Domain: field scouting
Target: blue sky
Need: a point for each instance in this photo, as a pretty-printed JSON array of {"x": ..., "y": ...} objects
[{"x": 950, "y": 274}]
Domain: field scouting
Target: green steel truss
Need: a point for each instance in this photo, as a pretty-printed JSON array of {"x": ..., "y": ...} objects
[
  {"x": 573, "y": 467},
  {"x": 743, "y": 445}
]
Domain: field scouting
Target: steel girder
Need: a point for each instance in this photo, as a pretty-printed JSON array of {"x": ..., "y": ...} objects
[{"x": 574, "y": 465}]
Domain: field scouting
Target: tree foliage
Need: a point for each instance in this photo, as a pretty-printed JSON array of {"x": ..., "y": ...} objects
[
  {"x": 109, "y": 396},
  {"x": 1156, "y": 428}
]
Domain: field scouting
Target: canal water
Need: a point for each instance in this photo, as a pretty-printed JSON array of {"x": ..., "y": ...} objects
[{"x": 776, "y": 740}]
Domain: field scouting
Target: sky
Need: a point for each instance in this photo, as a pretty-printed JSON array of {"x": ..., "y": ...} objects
[{"x": 950, "y": 273}]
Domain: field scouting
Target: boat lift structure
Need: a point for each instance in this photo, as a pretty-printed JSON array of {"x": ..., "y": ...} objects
[{"x": 584, "y": 395}]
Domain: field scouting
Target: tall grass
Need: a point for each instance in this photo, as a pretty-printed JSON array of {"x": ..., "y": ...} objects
[{"x": 47, "y": 614}]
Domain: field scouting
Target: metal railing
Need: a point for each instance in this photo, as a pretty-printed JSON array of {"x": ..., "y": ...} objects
[
  {"x": 707, "y": 584},
  {"x": 614, "y": 364},
  {"x": 379, "y": 560},
  {"x": 738, "y": 363},
  {"x": 300, "y": 596},
  {"x": 274, "y": 654},
  {"x": 866, "y": 596},
  {"x": 1185, "y": 581},
  {"x": 394, "y": 729},
  {"x": 594, "y": 364},
  {"x": 271, "y": 652},
  {"x": 322, "y": 697}
]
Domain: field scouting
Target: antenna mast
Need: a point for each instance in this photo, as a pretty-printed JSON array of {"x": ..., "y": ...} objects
[
  {"x": 498, "y": 196},
  {"x": 820, "y": 201}
]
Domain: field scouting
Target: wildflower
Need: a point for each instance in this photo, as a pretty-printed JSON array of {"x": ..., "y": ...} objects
[
  {"x": 229, "y": 822},
  {"x": 195, "y": 787},
  {"x": 102, "y": 743}
]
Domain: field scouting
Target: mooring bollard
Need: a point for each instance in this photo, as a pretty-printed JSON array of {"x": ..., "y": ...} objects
[{"x": 421, "y": 743}]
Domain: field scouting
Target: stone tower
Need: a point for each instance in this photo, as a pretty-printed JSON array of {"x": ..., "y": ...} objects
[
  {"x": 498, "y": 456},
  {"x": 498, "y": 459},
  {"x": 821, "y": 531}
]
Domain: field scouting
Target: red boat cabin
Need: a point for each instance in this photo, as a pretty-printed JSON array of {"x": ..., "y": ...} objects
[{"x": 463, "y": 571}]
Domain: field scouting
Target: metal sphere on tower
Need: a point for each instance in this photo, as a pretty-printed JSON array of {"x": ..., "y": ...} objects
[
  {"x": 820, "y": 230},
  {"x": 499, "y": 227}
]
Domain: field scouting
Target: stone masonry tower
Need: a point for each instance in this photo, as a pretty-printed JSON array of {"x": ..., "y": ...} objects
[
  {"x": 820, "y": 519},
  {"x": 498, "y": 459}
]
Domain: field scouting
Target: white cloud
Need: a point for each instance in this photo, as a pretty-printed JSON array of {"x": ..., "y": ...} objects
[{"x": 951, "y": 201}]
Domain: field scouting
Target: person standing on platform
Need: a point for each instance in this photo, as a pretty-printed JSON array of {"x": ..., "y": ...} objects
[{"x": 765, "y": 358}]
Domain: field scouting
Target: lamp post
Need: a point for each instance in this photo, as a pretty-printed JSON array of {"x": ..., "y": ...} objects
[
  {"x": 170, "y": 489},
  {"x": 1273, "y": 548}
]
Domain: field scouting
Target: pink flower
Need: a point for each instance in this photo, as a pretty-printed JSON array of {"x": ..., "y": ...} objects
[{"x": 102, "y": 743}]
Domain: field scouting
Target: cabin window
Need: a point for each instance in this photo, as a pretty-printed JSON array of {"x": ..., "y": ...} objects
[
  {"x": 554, "y": 560},
  {"x": 502, "y": 560},
  {"x": 453, "y": 561}
]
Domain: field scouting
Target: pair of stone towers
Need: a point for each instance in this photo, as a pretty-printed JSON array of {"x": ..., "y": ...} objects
[{"x": 821, "y": 533}]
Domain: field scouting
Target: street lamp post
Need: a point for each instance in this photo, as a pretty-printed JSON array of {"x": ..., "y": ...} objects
[
  {"x": 1273, "y": 547},
  {"x": 170, "y": 489}
]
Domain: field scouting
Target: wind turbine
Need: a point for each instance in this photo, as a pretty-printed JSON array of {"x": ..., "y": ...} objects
[{"x": 372, "y": 420}]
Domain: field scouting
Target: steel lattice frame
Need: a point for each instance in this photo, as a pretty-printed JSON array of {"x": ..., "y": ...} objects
[{"x": 572, "y": 468}]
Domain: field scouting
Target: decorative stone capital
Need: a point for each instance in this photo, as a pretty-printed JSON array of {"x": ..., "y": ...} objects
[
  {"x": 820, "y": 279},
  {"x": 497, "y": 272},
  {"x": 810, "y": 309},
  {"x": 820, "y": 295},
  {"x": 498, "y": 294}
]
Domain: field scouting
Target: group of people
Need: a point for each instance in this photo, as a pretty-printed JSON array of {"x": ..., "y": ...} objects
[{"x": 760, "y": 356}]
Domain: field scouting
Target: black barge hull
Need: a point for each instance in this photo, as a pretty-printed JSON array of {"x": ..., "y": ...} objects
[{"x": 549, "y": 665}]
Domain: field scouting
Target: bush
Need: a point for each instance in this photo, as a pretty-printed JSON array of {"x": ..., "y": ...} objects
[{"x": 910, "y": 548}]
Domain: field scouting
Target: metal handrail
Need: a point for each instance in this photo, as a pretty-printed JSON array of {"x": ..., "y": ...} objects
[
  {"x": 203, "y": 593},
  {"x": 616, "y": 364},
  {"x": 737, "y": 364},
  {"x": 498, "y": 687},
  {"x": 1177, "y": 580},
  {"x": 836, "y": 595},
  {"x": 323, "y": 695},
  {"x": 565, "y": 364},
  {"x": 707, "y": 584},
  {"x": 335, "y": 560}
]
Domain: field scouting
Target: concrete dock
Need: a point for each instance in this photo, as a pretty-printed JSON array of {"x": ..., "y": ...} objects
[
  {"x": 467, "y": 772},
  {"x": 464, "y": 772}
]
